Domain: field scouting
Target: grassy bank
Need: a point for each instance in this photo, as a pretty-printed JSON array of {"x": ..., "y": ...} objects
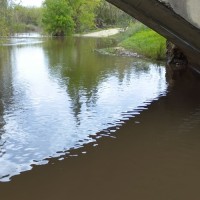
[{"x": 139, "y": 38}]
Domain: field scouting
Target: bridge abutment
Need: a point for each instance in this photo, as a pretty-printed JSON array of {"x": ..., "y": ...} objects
[
  {"x": 176, "y": 61},
  {"x": 178, "y": 21}
]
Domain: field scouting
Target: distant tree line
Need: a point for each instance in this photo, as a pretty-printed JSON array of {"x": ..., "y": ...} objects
[
  {"x": 26, "y": 19},
  {"x": 63, "y": 17},
  {"x": 4, "y": 18},
  {"x": 60, "y": 17},
  {"x": 15, "y": 18},
  {"x": 109, "y": 15}
]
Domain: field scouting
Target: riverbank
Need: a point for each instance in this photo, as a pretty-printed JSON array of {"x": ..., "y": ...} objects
[
  {"x": 137, "y": 40},
  {"x": 104, "y": 33},
  {"x": 145, "y": 42}
]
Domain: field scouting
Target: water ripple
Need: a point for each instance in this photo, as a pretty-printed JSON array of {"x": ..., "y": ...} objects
[{"x": 50, "y": 110}]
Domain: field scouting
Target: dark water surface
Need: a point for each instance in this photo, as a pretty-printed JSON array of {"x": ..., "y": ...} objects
[{"x": 79, "y": 125}]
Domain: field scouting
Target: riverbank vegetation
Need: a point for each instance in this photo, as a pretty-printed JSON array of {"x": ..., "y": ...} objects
[
  {"x": 139, "y": 41},
  {"x": 60, "y": 17},
  {"x": 15, "y": 18},
  {"x": 144, "y": 41},
  {"x": 4, "y": 16},
  {"x": 26, "y": 19},
  {"x": 63, "y": 17}
]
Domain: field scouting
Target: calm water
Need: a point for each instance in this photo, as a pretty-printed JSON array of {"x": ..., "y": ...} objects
[{"x": 75, "y": 124}]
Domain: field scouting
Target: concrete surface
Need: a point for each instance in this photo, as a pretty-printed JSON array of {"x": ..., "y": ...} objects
[{"x": 188, "y": 9}]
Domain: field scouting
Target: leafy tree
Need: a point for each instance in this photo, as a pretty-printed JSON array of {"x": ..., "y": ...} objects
[
  {"x": 57, "y": 17},
  {"x": 84, "y": 13},
  {"x": 108, "y": 14},
  {"x": 4, "y": 18}
]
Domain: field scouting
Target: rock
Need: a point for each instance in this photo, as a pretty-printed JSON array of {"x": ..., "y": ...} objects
[{"x": 118, "y": 51}]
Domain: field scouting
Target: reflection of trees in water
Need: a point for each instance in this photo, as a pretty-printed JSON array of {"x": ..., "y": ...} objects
[
  {"x": 84, "y": 70},
  {"x": 2, "y": 123},
  {"x": 6, "y": 89},
  {"x": 6, "y": 74},
  {"x": 2, "y": 151}
]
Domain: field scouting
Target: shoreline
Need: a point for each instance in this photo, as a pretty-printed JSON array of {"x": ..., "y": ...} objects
[
  {"x": 114, "y": 51},
  {"x": 103, "y": 33},
  {"x": 118, "y": 51}
]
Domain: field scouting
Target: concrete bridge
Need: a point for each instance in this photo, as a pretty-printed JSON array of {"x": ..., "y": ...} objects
[{"x": 176, "y": 20}]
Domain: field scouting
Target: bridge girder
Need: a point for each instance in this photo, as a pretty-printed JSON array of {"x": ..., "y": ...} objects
[{"x": 163, "y": 19}]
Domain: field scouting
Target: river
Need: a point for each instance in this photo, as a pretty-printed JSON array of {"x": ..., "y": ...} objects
[{"x": 76, "y": 124}]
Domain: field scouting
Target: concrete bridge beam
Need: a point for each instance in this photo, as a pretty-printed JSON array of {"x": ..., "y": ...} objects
[{"x": 178, "y": 21}]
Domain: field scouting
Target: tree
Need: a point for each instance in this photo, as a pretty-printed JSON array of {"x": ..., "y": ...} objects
[
  {"x": 84, "y": 13},
  {"x": 4, "y": 23},
  {"x": 109, "y": 14},
  {"x": 57, "y": 17},
  {"x": 25, "y": 19},
  {"x": 62, "y": 16}
]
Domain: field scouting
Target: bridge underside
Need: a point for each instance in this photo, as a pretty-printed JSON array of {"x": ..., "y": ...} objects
[{"x": 162, "y": 18}]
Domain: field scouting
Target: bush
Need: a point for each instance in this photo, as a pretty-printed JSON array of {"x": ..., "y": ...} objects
[{"x": 57, "y": 17}]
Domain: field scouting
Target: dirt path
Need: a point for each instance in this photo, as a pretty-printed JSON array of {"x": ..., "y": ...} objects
[{"x": 104, "y": 33}]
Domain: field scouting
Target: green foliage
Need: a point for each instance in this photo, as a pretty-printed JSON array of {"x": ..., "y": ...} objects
[
  {"x": 84, "y": 13},
  {"x": 62, "y": 17},
  {"x": 4, "y": 18},
  {"x": 4, "y": 28},
  {"x": 130, "y": 31},
  {"x": 146, "y": 42},
  {"x": 110, "y": 15},
  {"x": 25, "y": 19},
  {"x": 57, "y": 17},
  {"x": 15, "y": 18},
  {"x": 27, "y": 15}
]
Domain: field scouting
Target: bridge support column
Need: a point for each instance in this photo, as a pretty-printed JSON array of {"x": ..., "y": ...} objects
[{"x": 177, "y": 63}]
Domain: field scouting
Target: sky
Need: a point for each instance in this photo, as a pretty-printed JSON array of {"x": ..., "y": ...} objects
[{"x": 36, "y": 3}]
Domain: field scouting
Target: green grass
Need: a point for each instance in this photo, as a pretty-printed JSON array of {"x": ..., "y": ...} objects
[
  {"x": 132, "y": 29},
  {"x": 144, "y": 41}
]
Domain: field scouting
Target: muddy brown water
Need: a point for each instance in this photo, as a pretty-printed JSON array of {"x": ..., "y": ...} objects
[{"x": 79, "y": 125}]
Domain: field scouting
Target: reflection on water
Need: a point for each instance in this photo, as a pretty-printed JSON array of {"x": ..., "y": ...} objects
[
  {"x": 23, "y": 39},
  {"x": 56, "y": 94},
  {"x": 154, "y": 156}
]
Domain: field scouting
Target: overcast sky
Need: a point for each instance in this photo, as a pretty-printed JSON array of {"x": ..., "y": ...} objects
[{"x": 30, "y": 2}]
